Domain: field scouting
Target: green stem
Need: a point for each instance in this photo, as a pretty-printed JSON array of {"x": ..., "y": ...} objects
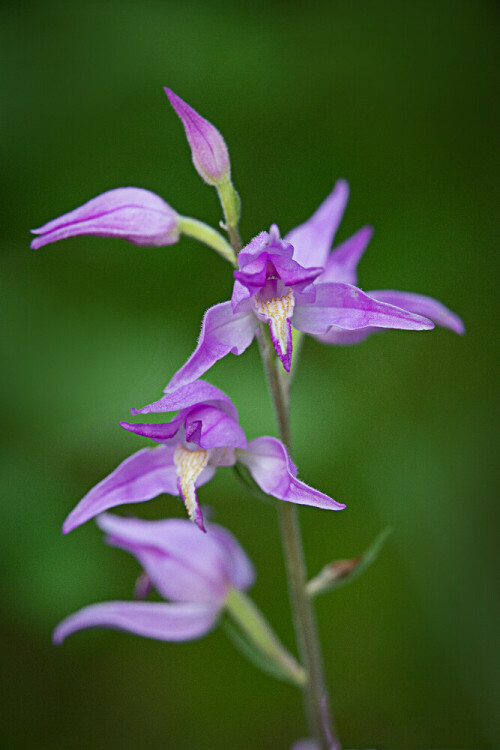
[
  {"x": 315, "y": 692},
  {"x": 209, "y": 236},
  {"x": 231, "y": 207}
]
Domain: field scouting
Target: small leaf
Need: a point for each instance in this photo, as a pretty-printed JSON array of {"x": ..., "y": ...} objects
[
  {"x": 340, "y": 572},
  {"x": 258, "y": 641}
]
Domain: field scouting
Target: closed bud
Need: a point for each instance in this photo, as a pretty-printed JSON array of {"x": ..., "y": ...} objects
[
  {"x": 208, "y": 148},
  {"x": 134, "y": 214}
]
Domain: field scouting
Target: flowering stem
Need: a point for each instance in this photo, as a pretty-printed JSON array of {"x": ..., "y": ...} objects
[{"x": 315, "y": 692}]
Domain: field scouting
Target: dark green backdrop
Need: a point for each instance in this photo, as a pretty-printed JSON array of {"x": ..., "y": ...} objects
[{"x": 398, "y": 98}]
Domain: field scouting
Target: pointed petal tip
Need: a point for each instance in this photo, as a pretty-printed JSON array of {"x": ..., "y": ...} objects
[
  {"x": 199, "y": 523},
  {"x": 342, "y": 184},
  {"x": 172, "y": 97},
  {"x": 287, "y": 363},
  {"x": 57, "y": 637},
  {"x": 37, "y": 242},
  {"x": 66, "y": 527}
]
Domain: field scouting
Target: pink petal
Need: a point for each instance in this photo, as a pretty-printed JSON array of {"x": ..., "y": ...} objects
[
  {"x": 348, "y": 307},
  {"x": 342, "y": 263},
  {"x": 422, "y": 305},
  {"x": 142, "y": 476},
  {"x": 193, "y": 393},
  {"x": 183, "y": 564},
  {"x": 272, "y": 469},
  {"x": 165, "y": 622},
  {"x": 313, "y": 239},
  {"x": 239, "y": 566},
  {"x": 222, "y": 331}
]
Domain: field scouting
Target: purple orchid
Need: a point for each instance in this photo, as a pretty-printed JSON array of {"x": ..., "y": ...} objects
[
  {"x": 134, "y": 214},
  {"x": 195, "y": 572},
  {"x": 204, "y": 435},
  {"x": 208, "y": 148},
  {"x": 296, "y": 282}
]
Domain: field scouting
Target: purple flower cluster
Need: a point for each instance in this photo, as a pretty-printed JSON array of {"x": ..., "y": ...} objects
[{"x": 282, "y": 283}]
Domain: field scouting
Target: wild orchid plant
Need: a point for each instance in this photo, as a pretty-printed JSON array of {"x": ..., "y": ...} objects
[{"x": 296, "y": 282}]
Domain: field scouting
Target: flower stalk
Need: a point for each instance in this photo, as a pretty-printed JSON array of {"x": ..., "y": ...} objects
[
  {"x": 231, "y": 207},
  {"x": 202, "y": 232}
]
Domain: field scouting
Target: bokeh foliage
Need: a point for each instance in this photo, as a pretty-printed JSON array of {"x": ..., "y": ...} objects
[{"x": 399, "y": 98}]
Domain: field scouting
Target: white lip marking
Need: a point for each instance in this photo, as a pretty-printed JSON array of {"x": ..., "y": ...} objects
[
  {"x": 188, "y": 467},
  {"x": 277, "y": 311}
]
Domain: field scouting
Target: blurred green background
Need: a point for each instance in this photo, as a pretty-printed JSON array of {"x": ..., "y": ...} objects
[{"x": 398, "y": 98}]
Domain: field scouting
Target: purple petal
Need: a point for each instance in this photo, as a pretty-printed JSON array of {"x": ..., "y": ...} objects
[
  {"x": 197, "y": 392},
  {"x": 134, "y": 214},
  {"x": 222, "y": 331},
  {"x": 254, "y": 248},
  {"x": 208, "y": 148},
  {"x": 342, "y": 263},
  {"x": 142, "y": 476},
  {"x": 342, "y": 337},
  {"x": 162, "y": 433},
  {"x": 255, "y": 274},
  {"x": 209, "y": 427},
  {"x": 422, "y": 305},
  {"x": 239, "y": 566},
  {"x": 165, "y": 622},
  {"x": 183, "y": 564},
  {"x": 272, "y": 469},
  {"x": 313, "y": 239},
  {"x": 205, "y": 425},
  {"x": 305, "y": 745},
  {"x": 348, "y": 307}
]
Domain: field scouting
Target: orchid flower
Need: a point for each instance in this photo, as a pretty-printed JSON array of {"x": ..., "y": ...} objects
[
  {"x": 196, "y": 572},
  {"x": 204, "y": 435},
  {"x": 134, "y": 214},
  {"x": 295, "y": 282}
]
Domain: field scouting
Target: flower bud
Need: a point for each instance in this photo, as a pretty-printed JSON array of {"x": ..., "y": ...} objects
[
  {"x": 208, "y": 148},
  {"x": 134, "y": 214}
]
